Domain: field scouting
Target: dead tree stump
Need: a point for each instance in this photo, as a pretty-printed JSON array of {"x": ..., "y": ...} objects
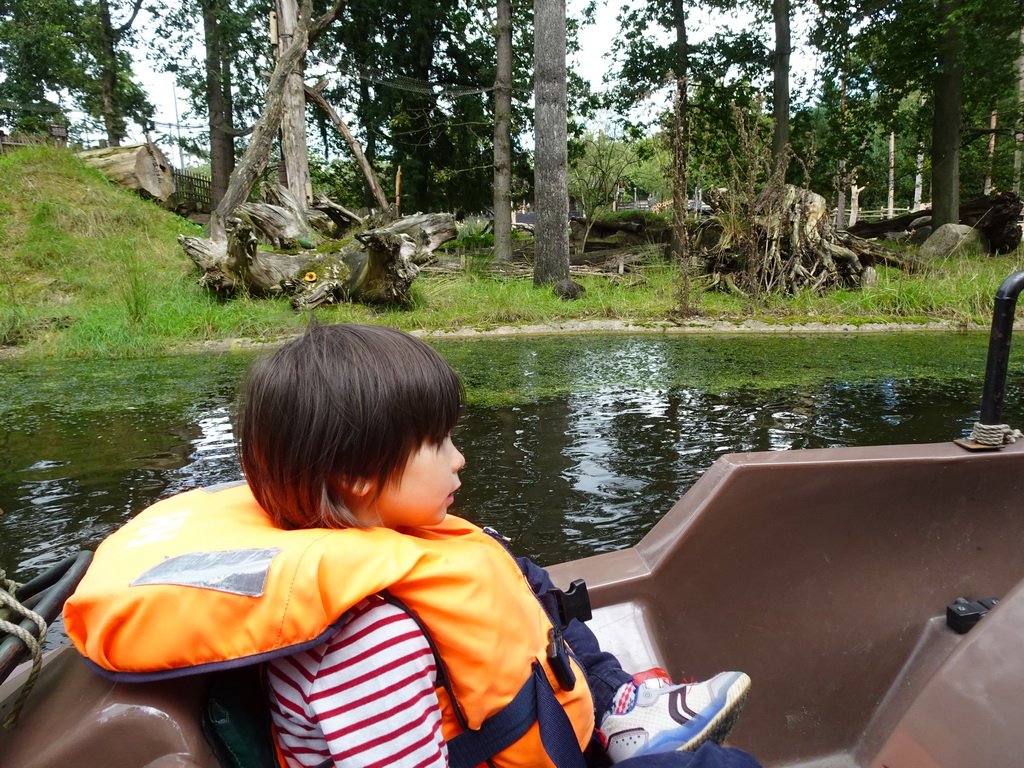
[
  {"x": 785, "y": 244},
  {"x": 375, "y": 267}
]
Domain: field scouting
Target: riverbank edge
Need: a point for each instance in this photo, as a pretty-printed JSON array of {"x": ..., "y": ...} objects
[
  {"x": 593, "y": 327},
  {"x": 623, "y": 327}
]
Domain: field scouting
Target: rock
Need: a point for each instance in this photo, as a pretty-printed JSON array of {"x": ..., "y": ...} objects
[
  {"x": 953, "y": 239},
  {"x": 921, "y": 234},
  {"x": 919, "y": 222},
  {"x": 569, "y": 289}
]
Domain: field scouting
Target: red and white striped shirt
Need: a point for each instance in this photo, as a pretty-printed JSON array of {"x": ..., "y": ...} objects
[{"x": 363, "y": 698}]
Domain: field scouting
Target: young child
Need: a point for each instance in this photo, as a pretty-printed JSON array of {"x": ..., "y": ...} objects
[{"x": 392, "y": 632}]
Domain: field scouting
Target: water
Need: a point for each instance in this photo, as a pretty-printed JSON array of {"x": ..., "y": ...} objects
[{"x": 574, "y": 445}]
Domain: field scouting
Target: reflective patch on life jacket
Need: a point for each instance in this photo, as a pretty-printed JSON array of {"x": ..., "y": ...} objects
[{"x": 237, "y": 571}]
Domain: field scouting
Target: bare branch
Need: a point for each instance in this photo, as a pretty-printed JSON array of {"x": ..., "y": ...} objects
[
  {"x": 128, "y": 24},
  {"x": 322, "y": 23}
]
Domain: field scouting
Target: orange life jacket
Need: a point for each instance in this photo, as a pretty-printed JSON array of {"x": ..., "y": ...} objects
[{"x": 204, "y": 579}]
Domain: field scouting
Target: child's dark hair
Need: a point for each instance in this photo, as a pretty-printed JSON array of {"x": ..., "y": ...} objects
[{"x": 340, "y": 404}]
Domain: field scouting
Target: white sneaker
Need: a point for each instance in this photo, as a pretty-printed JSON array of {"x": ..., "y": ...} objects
[{"x": 667, "y": 718}]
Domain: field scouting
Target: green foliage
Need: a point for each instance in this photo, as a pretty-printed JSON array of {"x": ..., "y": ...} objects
[
  {"x": 879, "y": 75},
  {"x": 474, "y": 234},
  {"x": 415, "y": 75},
  {"x": 68, "y": 47},
  {"x": 237, "y": 48},
  {"x": 599, "y": 171},
  {"x": 340, "y": 180},
  {"x": 91, "y": 269}
]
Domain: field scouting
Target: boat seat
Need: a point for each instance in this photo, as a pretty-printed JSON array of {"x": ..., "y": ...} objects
[
  {"x": 141, "y": 725},
  {"x": 969, "y": 712}
]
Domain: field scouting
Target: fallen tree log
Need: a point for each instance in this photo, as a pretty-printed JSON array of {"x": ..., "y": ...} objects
[
  {"x": 995, "y": 216},
  {"x": 139, "y": 167},
  {"x": 375, "y": 267}
]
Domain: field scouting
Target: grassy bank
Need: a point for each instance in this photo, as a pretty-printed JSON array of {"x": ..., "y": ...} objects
[{"x": 90, "y": 269}]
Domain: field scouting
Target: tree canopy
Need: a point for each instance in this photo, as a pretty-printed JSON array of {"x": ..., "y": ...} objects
[{"x": 938, "y": 83}]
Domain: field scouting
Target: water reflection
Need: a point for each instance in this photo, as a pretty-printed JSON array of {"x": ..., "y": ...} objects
[{"x": 574, "y": 446}]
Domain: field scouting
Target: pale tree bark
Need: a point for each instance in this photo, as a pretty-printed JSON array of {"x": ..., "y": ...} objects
[
  {"x": 855, "y": 201},
  {"x": 258, "y": 152},
  {"x": 375, "y": 267},
  {"x": 949, "y": 90},
  {"x": 502, "y": 135},
  {"x": 989, "y": 187},
  {"x": 294, "y": 154},
  {"x": 551, "y": 185},
  {"x": 372, "y": 183},
  {"x": 780, "y": 94}
]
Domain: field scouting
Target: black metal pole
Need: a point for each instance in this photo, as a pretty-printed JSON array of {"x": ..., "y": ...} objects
[{"x": 999, "y": 348}]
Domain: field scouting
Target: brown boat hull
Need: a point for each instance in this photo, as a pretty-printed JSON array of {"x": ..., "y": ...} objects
[{"x": 824, "y": 574}]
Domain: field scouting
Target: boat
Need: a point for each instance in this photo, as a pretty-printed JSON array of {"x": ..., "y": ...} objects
[{"x": 874, "y": 595}]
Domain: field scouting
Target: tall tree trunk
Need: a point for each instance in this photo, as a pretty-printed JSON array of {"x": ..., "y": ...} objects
[
  {"x": 843, "y": 180},
  {"x": 949, "y": 90},
  {"x": 502, "y": 135},
  {"x": 891, "y": 196},
  {"x": 680, "y": 160},
  {"x": 419, "y": 170},
  {"x": 780, "y": 94},
  {"x": 293, "y": 122},
  {"x": 551, "y": 175},
  {"x": 222, "y": 143},
  {"x": 1019, "y": 130},
  {"x": 919, "y": 172},
  {"x": 919, "y": 182},
  {"x": 257, "y": 153},
  {"x": 113, "y": 123}
]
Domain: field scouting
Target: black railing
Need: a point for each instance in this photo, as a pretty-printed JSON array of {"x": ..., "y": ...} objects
[{"x": 999, "y": 348}]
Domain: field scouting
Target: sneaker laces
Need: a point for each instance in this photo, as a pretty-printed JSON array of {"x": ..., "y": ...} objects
[{"x": 626, "y": 696}]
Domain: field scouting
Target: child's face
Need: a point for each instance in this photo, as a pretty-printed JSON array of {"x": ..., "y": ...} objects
[{"x": 424, "y": 493}]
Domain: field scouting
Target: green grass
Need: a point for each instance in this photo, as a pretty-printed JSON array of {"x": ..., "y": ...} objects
[
  {"x": 959, "y": 289},
  {"x": 89, "y": 269}
]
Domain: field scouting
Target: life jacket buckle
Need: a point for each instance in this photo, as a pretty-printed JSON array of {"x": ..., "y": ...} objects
[
  {"x": 558, "y": 660},
  {"x": 574, "y": 603}
]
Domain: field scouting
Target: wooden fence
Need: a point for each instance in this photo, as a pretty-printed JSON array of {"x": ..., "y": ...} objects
[
  {"x": 631, "y": 205},
  {"x": 877, "y": 214},
  {"x": 9, "y": 143},
  {"x": 193, "y": 188}
]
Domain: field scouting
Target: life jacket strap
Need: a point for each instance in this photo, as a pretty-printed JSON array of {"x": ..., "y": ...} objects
[{"x": 534, "y": 703}]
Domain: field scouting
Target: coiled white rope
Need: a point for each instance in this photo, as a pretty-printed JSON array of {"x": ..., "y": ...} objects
[
  {"x": 995, "y": 434},
  {"x": 9, "y": 602}
]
